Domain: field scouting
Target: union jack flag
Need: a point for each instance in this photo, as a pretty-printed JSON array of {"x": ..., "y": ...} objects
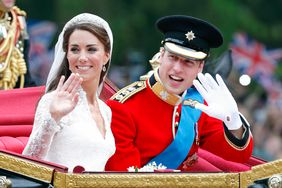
[{"x": 252, "y": 58}]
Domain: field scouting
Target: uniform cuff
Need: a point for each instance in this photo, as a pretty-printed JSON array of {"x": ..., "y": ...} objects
[{"x": 235, "y": 142}]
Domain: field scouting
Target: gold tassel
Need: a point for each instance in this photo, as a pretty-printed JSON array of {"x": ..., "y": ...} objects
[{"x": 13, "y": 63}]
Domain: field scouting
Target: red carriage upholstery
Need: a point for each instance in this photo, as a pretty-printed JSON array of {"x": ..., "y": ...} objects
[{"x": 17, "y": 109}]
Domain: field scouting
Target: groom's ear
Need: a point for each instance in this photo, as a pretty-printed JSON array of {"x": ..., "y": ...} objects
[{"x": 201, "y": 66}]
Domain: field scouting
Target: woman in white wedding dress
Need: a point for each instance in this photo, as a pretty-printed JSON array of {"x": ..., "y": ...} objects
[{"x": 72, "y": 125}]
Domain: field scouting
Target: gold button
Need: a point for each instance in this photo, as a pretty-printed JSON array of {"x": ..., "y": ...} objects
[{"x": 176, "y": 124}]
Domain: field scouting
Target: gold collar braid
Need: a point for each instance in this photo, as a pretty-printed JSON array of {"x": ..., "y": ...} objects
[
  {"x": 12, "y": 63},
  {"x": 160, "y": 91}
]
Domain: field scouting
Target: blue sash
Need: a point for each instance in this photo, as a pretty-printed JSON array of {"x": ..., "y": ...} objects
[{"x": 178, "y": 150}]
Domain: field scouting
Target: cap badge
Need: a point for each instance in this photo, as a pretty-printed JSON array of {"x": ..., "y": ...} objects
[{"x": 190, "y": 35}]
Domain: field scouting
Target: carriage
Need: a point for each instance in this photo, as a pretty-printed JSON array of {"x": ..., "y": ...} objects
[{"x": 17, "y": 110}]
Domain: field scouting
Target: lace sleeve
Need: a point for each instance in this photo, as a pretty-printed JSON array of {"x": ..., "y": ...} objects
[{"x": 44, "y": 129}]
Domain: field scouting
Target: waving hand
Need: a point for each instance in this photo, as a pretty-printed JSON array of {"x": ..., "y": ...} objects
[
  {"x": 65, "y": 96},
  {"x": 221, "y": 104}
]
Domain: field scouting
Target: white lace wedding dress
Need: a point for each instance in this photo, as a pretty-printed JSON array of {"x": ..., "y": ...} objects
[{"x": 75, "y": 140}]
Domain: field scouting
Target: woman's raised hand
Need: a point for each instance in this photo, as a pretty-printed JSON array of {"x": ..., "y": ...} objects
[{"x": 65, "y": 96}]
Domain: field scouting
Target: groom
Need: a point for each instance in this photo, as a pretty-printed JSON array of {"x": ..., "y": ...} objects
[{"x": 167, "y": 118}]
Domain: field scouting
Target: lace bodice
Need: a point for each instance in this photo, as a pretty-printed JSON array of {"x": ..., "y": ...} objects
[{"x": 74, "y": 140}]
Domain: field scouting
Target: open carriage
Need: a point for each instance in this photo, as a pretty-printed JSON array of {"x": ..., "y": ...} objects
[{"x": 17, "y": 110}]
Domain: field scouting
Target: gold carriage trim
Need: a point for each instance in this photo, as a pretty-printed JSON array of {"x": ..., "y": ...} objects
[
  {"x": 136, "y": 179},
  {"x": 164, "y": 180},
  {"x": 26, "y": 167},
  {"x": 260, "y": 171},
  {"x": 125, "y": 93}
]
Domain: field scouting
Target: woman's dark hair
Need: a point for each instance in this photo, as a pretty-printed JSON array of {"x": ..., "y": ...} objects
[{"x": 99, "y": 32}]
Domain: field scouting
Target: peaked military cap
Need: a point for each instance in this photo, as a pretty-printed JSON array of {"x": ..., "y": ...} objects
[{"x": 189, "y": 37}]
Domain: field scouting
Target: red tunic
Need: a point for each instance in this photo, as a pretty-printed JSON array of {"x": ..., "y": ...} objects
[{"x": 142, "y": 125}]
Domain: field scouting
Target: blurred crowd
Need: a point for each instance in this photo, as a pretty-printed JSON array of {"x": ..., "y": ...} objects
[
  {"x": 266, "y": 128},
  {"x": 264, "y": 115}
]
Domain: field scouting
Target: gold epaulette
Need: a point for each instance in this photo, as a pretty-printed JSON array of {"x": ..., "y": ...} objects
[
  {"x": 128, "y": 91},
  {"x": 19, "y": 12}
]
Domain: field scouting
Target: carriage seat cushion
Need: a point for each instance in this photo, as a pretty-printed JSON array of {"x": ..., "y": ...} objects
[{"x": 17, "y": 108}]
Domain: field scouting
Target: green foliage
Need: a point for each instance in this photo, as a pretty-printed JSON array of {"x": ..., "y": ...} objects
[{"x": 133, "y": 27}]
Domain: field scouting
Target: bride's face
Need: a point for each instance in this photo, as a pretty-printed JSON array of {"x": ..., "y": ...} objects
[{"x": 86, "y": 55}]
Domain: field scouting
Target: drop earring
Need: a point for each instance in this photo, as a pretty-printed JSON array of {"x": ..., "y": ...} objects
[{"x": 104, "y": 68}]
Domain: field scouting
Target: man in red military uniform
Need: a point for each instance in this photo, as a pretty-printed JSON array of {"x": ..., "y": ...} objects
[{"x": 166, "y": 118}]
